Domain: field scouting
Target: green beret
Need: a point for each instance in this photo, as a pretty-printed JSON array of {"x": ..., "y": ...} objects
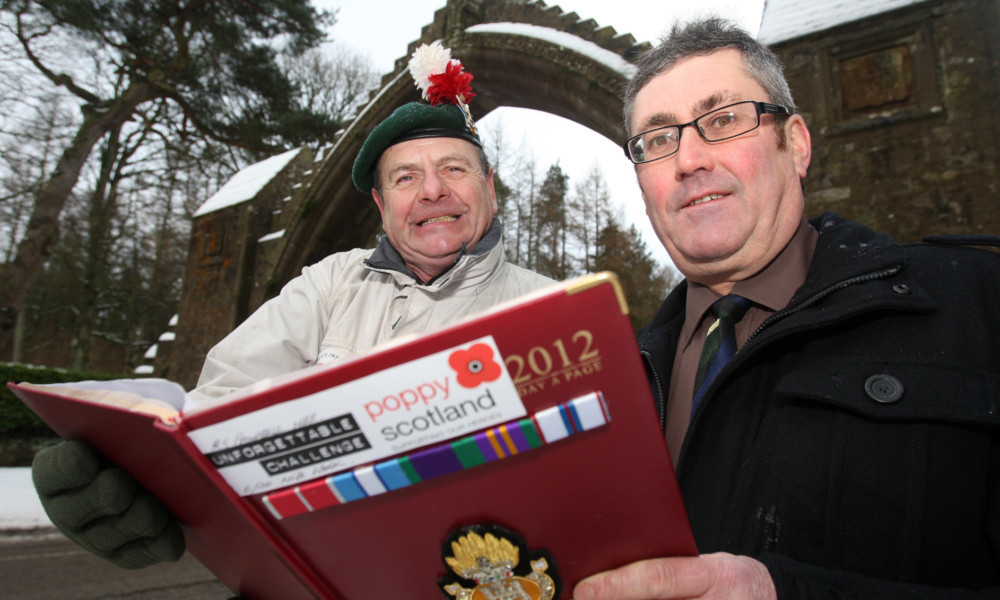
[{"x": 408, "y": 122}]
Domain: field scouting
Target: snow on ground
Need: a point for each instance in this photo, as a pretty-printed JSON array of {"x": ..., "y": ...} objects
[{"x": 19, "y": 505}]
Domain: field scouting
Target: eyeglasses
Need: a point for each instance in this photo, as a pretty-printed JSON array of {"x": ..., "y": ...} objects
[{"x": 720, "y": 124}]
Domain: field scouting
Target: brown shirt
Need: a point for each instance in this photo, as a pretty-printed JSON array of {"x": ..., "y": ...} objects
[{"x": 769, "y": 290}]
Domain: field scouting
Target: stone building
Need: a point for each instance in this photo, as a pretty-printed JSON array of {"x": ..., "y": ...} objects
[
  {"x": 903, "y": 109},
  {"x": 901, "y": 97}
]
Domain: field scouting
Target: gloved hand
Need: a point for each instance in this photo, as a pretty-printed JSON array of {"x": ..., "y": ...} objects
[{"x": 102, "y": 509}]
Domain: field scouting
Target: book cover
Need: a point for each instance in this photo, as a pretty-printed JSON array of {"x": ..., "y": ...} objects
[{"x": 518, "y": 449}]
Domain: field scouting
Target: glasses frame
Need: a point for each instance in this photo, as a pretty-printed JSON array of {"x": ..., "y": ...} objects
[{"x": 762, "y": 108}]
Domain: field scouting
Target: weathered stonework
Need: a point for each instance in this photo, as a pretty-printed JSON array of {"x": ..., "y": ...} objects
[
  {"x": 903, "y": 109},
  {"x": 228, "y": 270}
]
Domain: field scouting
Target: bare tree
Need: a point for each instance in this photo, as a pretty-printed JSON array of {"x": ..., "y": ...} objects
[
  {"x": 215, "y": 62},
  {"x": 523, "y": 213},
  {"x": 30, "y": 141},
  {"x": 331, "y": 79},
  {"x": 590, "y": 211}
]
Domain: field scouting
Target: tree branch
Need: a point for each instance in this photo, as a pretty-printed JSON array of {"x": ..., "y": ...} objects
[
  {"x": 191, "y": 115},
  {"x": 60, "y": 79}
]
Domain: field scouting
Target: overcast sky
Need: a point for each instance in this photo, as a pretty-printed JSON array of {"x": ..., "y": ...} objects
[{"x": 383, "y": 29}]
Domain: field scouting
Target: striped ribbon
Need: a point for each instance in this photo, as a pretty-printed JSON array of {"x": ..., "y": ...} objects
[{"x": 515, "y": 437}]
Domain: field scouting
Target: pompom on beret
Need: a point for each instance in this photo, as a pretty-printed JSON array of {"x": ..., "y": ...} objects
[{"x": 445, "y": 85}]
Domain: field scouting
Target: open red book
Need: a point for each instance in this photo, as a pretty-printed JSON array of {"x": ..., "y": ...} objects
[{"x": 519, "y": 448}]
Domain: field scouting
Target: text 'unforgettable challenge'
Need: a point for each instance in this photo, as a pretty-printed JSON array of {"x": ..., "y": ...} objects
[{"x": 426, "y": 401}]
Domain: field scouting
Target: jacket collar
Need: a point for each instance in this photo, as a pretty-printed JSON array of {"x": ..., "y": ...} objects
[
  {"x": 846, "y": 250},
  {"x": 846, "y": 253},
  {"x": 386, "y": 258},
  {"x": 489, "y": 251}
]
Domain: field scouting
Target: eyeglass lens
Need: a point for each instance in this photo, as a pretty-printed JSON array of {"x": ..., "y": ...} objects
[{"x": 724, "y": 123}]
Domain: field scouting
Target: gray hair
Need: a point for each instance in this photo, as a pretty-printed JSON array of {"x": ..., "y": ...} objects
[{"x": 701, "y": 38}]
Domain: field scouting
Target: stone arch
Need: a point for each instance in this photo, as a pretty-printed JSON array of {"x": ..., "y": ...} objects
[{"x": 515, "y": 52}]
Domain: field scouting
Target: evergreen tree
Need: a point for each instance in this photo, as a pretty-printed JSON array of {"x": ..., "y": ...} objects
[
  {"x": 561, "y": 235},
  {"x": 550, "y": 224},
  {"x": 623, "y": 252}
]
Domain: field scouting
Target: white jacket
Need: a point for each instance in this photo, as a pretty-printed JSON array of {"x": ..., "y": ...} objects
[{"x": 352, "y": 301}]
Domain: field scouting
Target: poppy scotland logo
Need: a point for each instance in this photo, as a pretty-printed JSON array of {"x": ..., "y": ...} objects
[{"x": 475, "y": 366}]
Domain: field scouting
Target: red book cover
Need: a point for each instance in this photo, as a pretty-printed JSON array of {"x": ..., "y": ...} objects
[{"x": 517, "y": 448}]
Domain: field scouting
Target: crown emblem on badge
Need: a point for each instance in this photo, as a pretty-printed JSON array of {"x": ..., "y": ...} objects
[{"x": 489, "y": 558}]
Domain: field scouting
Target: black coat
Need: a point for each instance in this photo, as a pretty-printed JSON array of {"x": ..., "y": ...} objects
[{"x": 852, "y": 443}]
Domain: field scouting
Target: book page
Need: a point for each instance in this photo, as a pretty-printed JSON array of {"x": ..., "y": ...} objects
[{"x": 158, "y": 397}]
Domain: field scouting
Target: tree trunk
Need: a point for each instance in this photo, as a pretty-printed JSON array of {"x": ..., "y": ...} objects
[
  {"x": 17, "y": 355},
  {"x": 43, "y": 228}
]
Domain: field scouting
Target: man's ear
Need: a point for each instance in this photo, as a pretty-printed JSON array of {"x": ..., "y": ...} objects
[
  {"x": 799, "y": 143},
  {"x": 378, "y": 202},
  {"x": 493, "y": 191}
]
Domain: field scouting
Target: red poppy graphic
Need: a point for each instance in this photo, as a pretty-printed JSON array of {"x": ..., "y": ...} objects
[{"x": 475, "y": 365}]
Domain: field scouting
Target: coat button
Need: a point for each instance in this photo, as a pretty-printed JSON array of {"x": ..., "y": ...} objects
[
  {"x": 901, "y": 288},
  {"x": 884, "y": 388}
]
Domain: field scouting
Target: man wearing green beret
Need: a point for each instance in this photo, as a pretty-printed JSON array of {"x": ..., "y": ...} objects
[{"x": 441, "y": 259}]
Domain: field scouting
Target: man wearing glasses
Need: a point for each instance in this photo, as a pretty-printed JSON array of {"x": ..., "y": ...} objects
[{"x": 838, "y": 438}]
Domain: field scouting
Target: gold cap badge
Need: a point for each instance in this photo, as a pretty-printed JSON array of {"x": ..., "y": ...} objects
[{"x": 488, "y": 557}]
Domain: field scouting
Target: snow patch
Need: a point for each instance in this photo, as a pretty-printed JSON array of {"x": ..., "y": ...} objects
[
  {"x": 277, "y": 235},
  {"x": 591, "y": 50},
  {"x": 785, "y": 20},
  {"x": 247, "y": 183}
]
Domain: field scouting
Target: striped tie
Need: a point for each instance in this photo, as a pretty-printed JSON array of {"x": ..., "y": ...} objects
[{"x": 720, "y": 342}]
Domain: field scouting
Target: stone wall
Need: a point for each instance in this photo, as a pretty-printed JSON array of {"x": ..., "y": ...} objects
[
  {"x": 903, "y": 110},
  {"x": 227, "y": 269}
]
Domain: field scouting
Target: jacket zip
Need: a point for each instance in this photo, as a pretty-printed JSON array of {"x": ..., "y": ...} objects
[
  {"x": 874, "y": 276},
  {"x": 661, "y": 403}
]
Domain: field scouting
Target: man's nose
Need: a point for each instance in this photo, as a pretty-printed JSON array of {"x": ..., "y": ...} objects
[
  {"x": 432, "y": 186},
  {"x": 693, "y": 152}
]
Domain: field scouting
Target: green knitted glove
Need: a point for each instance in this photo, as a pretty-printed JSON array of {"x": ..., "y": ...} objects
[{"x": 102, "y": 509}]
